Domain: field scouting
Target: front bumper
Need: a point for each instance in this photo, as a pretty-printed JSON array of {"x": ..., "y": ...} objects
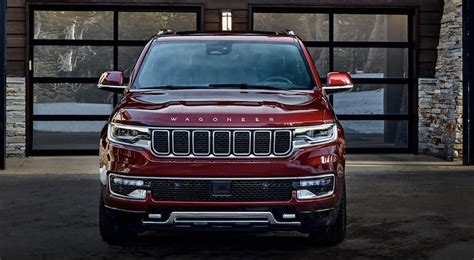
[
  {"x": 233, "y": 219},
  {"x": 306, "y": 214}
]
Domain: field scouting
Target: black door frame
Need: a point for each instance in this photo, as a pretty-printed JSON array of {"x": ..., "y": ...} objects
[
  {"x": 3, "y": 86},
  {"x": 468, "y": 76},
  {"x": 412, "y": 45},
  {"x": 115, "y": 43}
]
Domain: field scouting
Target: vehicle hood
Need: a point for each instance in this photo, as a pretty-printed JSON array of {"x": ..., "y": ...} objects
[{"x": 223, "y": 108}]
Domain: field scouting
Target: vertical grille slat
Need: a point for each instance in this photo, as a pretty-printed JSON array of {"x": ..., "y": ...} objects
[
  {"x": 161, "y": 141},
  {"x": 282, "y": 142},
  {"x": 242, "y": 143},
  {"x": 262, "y": 142},
  {"x": 222, "y": 142},
  {"x": 181, "y": 142},
  {"x": 201, "y": 142}
]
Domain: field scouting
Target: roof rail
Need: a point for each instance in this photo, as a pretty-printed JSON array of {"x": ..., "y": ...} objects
[
  {"x": 290, "y": 32},
  {"x": 165, "y": 31}
]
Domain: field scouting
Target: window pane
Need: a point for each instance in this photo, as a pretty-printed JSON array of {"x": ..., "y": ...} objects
[
  {"x": 143, "y": 25},
  {"x": 310, "y": 27},
  {"x": 127, "y": 57},
  {"x": 66, "y": 135},
  {"x": 375, "y": 134},
  {"x": 71, "y": 99},
  {"x": 374, "y": 99},
  {"x": 321, "y": 60},
  {"x": 72, "y": 61},
  {"x": 73, "y": 25},
  {"x": 370, "y": 27},
  {"x": 372, "y": 62}
]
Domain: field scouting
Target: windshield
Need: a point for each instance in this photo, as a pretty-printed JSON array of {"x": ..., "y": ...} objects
[{"x": 224, "y": 64}]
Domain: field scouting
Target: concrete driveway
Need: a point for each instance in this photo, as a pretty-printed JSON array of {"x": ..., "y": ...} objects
[{"x": 398, "y": 206}]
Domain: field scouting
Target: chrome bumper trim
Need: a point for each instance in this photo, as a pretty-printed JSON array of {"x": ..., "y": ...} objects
[
  {"x": 238, "y": 218},
  {"x": 125, "y": 210}
]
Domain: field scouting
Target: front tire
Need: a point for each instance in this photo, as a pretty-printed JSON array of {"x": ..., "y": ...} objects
[
  {"x": 336, "y": 232},
  {"x": 110, "y": 229}
]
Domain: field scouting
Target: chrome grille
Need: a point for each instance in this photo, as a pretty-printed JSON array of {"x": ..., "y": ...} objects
[{"x": 221, "y": 143}]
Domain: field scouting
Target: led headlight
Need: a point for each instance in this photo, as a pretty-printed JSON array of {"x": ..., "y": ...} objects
[
  {"x": 129, "y": 135},
  {"x": 315, "y": 188},
  {"x": 314, "y": 135},
  {"x": 131, "y": 188}
]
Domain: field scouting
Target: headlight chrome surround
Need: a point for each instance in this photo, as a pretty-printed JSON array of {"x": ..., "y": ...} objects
[
  {"x": 139, "y": 136},
  {"x": 314, "y": 135}
]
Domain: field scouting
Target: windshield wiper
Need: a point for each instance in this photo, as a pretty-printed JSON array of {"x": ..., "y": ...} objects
[{"x": 244, "y": 86}]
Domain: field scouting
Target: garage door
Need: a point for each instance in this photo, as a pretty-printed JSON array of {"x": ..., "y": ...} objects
[
  {"x": 376, "y": 47},
  {"x": 69, "y": 48}
]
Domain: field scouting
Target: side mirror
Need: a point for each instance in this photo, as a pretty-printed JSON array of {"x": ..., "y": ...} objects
[
  {"x": 338, "y": 82},
  {"x": 112, "y": 81}
]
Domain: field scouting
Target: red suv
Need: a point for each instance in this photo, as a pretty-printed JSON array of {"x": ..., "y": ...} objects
[{"x": 220, "y": 131}]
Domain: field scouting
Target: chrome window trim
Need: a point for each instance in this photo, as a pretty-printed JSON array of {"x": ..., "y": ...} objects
[
  {"x": 189, "y": 142},
  {"x": 269, "y": 146},
  {"x": 291, "y": 148},
  {"x": 250, "y": 142},
  {"x": 153, "y": 142},
  {"x": 208, "y": 142},
  {"x": 214, "y": 147}
]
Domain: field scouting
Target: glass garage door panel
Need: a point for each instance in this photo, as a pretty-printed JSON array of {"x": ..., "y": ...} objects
[
  {"x": 71, "y": 48},
  {"x": 321, "y": 60},
  {"x": 143, "y": 25},
  {"x": 375, "y": 50},
  {"x": 376, "y": 133},
  {"x": 373, "y": 99},
  {"x": 372, "y": 62},
  {"x": 70, "y": 99},
  {"x": 370, "y": 28},
  {"x": 309, "y": 26},
  {"x": 127, "y": 57},
  {"x": 73, "y": 25},
  {"x": 67, "y": 135},
  {"x": 72, "y": 61}
]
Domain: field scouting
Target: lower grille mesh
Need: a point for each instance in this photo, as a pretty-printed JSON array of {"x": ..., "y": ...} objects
[{"x": 240, "y": 190}]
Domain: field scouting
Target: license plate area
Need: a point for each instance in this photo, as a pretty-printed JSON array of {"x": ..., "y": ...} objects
[{"x": 221, "y": 188}]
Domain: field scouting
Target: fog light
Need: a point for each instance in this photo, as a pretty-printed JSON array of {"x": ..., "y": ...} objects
[
  {"x": 316, "y": 188},
  {"x": 137, "y": 194},
  {"x": 129, "y": 187},
  {"x": 305, "y": 195}
]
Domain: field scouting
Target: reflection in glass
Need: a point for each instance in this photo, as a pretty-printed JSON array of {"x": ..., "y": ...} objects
[
  {"x": 370, "y": 28},
  {"x": 310, "y": 27},
  {"x": 72, "y": 61},
  {"x": 372, "y": 99},
  {"x": 372, "y": 62},
  {"x": 71, "y": 99},
  {"x": 127, "y": 57},
  {"x": 321, "y": 60},
  {"x": 73, "y": 25},
  {"x": 366, "y": 134},
  {"x": 66, "y": 135},
  {"x": 143, "y": 25}
]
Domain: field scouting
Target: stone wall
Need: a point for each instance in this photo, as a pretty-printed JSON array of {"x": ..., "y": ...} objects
[
  {"x": 16, "y": 121},
  {"x": 440, "y": 99}
]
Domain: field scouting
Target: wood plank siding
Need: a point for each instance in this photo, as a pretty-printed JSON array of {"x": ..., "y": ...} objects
[{"x": 429, "y": 16}]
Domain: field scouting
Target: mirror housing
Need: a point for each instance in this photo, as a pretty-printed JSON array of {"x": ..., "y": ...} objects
[
  {"x": 338, "y": 82},
  {"x": 112, "y": 81}
]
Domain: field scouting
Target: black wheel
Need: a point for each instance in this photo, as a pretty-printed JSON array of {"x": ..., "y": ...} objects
[
  {"x": 336, "y": 232},
  {"x": 110, "y": 229}
]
